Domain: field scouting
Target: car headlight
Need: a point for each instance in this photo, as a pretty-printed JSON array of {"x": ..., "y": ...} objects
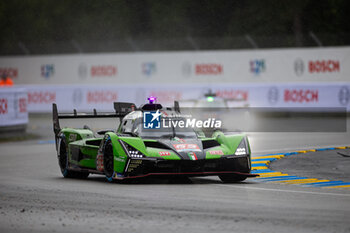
[
  {"x": 132, "y": 152},
  {"x": 241, "y": 149}
]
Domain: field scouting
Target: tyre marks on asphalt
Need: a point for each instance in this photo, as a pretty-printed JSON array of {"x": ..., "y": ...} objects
[{"x": 260, "y": 165}]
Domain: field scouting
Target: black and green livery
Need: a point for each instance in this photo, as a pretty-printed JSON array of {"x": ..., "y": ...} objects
[{"x": 130, "y": 151}]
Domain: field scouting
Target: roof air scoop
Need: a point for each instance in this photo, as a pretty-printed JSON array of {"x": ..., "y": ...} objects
[{"x": 151, "y": 106}]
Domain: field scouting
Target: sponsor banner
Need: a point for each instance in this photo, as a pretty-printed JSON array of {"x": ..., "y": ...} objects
[
  {"x": 88, "y": 97},
  {"x": 13, "y": 107},
  {"x": 209, "y": 69},
  {"x": 312, "y": 96},
  {"x": 103, "y": 71},
  {"x": 313, "y": 65},
  {"x": 149, "y": 69},
  {"x": 11, "y": 72},
  {"x": 47, "y": 70},
  {"x": 257, "y": 66},
  {"x": 40, "y": 98}
]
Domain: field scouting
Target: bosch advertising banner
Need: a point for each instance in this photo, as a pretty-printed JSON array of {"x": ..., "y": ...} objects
[
  {"x": 308, "y": 77},
  {"x": 82, "y": 98},
  {"x": 13, "y": 107},
  {"x": 267, "y": 66},
  {"x": 101, "y": 98}
]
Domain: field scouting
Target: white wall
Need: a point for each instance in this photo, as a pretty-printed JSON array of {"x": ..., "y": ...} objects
[
  {"x": 316, "y": 77},
  {"x": 274, "y": 65}
]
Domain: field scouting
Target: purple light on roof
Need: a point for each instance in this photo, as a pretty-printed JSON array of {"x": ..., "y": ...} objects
[{"x": 152, "y": 99}]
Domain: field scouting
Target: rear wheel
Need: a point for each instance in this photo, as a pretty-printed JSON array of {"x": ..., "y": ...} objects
[
  {"x": 232, "y": 178},
  {"x": 63, "y": 161},
  {"x": 108, "y": 160}
]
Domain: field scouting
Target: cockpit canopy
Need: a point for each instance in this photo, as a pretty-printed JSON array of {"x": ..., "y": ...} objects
[{"x": 132, "y": 124}]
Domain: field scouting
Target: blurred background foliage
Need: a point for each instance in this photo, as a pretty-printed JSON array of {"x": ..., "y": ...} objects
[{"x": 86, "y": 26}]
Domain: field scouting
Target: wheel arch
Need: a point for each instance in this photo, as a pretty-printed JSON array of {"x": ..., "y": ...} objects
[{"x": 120, "y": 156}]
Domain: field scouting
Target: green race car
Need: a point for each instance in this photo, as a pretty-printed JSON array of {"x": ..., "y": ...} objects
[{"x": 138, "y": 148}]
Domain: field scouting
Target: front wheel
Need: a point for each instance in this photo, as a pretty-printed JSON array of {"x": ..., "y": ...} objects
[
  {"x": 62, "y": 156},
  {"x": 108, "y": 160},
  {"x": 232, "y": 178}
]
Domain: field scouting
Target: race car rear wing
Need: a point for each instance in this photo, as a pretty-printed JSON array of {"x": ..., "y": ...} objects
[{"x": 121, "y": 109}]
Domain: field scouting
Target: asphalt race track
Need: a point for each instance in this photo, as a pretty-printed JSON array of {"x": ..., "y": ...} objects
[{"x": 35, "y": 198}]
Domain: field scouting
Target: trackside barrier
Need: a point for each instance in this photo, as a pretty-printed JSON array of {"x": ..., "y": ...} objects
[
  {"x": 101, "y": 97},
  {"x": 303, "y": 65},
  {"x": 13, "y": 108}
]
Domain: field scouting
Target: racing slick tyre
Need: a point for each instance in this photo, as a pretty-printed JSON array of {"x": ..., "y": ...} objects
[
  {"x": 108, "y": 160},
  {"x": 232, "y": 178},
  {"x": 63, "y": 161}
]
